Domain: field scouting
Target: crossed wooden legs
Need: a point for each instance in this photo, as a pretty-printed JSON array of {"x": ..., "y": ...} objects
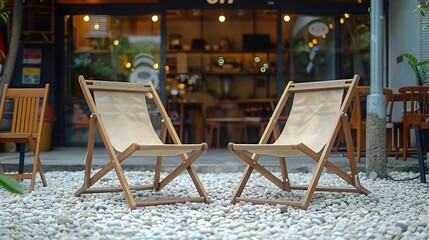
[
  {"x": 114, "y": 163},
  {"x": 284, "y": 183}
]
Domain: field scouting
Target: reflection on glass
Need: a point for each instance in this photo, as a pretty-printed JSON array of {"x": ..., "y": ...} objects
[
  {"x": 311, "y": 53},
  {"x": 106, "y": 47},
  {"x": 120, "y": 48}
]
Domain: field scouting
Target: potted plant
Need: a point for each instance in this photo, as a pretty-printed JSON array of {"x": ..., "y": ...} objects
[{"x": 420, "y": 68}]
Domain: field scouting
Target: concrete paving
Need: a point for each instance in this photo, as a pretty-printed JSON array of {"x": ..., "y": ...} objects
[{"x": 213, "y": 161}]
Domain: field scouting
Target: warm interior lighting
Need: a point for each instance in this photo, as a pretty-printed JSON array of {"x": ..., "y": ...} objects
[
  {"x": 360, "y": 26},
  {"x": 128, "y": 65},
  {"x": 359, "y": 1},
  {"x": 86, "y": 18},
  {"x": 324, "y": 36},
  {"x": 96, "y": 26},
  {"x": 342, "y": 20},
  {"x": 286, "y": 18},
  {"x": 181, "y": 86},
  {"x": 310, "y": 45},
  {"x": 155, "y": 66},
  {"x": 314, "y": 41},
  {"x": 331, "y": 26},
  {"x": 346, "y": 15},
  {"x": 116, "y": 42},
  {"x": 154, "y": 18},
  {"x": 222, "y": 18}
]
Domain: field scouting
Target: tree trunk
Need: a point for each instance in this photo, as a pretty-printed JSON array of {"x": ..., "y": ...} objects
[{"x": 6, "y": 76}]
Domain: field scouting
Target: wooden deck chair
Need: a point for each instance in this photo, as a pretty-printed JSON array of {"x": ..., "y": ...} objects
[
  {"x": 120, "y": 113},
  {"x": 26, "y": 125},
  {"x": 316, "y": 116}
]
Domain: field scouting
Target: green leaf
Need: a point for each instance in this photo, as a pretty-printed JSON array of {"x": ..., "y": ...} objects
[
  {"x": 423, "y": 63},
  {"x": 4, "y": 17},
  {"x": 11, "y": 184}
]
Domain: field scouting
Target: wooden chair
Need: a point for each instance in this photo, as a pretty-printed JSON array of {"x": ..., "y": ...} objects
[
  {"x": 219, "y": 116},
  {"x": 119, "y": 112},
  {"x": 415, "y": 101},
  {"x": 176, "y": 111},
  {"x": 358, "y": 119},
  {"x": 318, "y": 112},
  {"x": 29, "y": 106}
]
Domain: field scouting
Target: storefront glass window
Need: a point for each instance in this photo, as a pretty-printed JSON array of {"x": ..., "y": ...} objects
[
  {"x": 309, "y": 47},
  {"x": 314, "y": 49},
  {"x": 355, "y": 46},
  {"x": 102, "y": 47}
]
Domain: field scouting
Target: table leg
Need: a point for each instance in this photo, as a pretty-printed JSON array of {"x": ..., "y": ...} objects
[{"x": 419, "y": 143}]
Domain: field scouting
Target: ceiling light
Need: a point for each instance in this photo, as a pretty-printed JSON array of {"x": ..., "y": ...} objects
[
  {"x": 154, "y": 18},
  {"x": 286, "y": 18},
  {"x": 222, "y": 18},
  {"x": 86, "y": 18}
]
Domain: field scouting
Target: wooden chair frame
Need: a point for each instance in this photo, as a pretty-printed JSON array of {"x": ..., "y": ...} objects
[
  {"x": 301, "y": 148},
  {"x": 155, "y": 147},
  {"x": 415, "y": 100},
  {"x": 29, "y": 106},
  {"x": 359, "y": 125}
]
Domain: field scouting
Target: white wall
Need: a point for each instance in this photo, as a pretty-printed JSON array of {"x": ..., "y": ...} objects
[{"x": 404, "y": 37}]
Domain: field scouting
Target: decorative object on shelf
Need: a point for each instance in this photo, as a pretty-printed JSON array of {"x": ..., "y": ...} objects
[
  {"x": 224, "y": 44},
  {"x": 226, "y": 65},
  {"x": 175, "y": 41},
  {"x": 226, "y": 81}
]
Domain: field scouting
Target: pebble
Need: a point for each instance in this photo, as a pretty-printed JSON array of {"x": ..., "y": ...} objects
[{"x": 393, "y": 210}]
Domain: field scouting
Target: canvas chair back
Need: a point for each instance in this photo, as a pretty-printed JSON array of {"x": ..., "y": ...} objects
[
  {"x": 312, "y": 118},
  {"x": 126, "y": 118}
]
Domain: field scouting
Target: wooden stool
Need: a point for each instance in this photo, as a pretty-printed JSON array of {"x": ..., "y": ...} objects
[{"x": 215, "y": 124}]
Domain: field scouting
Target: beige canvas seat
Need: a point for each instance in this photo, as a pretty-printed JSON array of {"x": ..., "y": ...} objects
[
  {"x": 120, "y": 113},
  {"x": 26, "y": 125},
  {"x": 317, "y": 115}
]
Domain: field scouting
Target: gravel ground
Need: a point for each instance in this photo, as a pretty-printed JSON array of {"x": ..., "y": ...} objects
[{"x": 394, "y": 210}]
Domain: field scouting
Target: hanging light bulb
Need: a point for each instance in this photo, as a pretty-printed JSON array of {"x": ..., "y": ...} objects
[
  {"x": 286, "y": 18},
  {"x": 154, "y": 18},
  {"x": 86, "y": 18},
  {"x": 222, "y": 18}
]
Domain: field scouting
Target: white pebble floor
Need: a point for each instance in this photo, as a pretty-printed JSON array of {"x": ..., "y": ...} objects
[{"x": 393, "y": 210}]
